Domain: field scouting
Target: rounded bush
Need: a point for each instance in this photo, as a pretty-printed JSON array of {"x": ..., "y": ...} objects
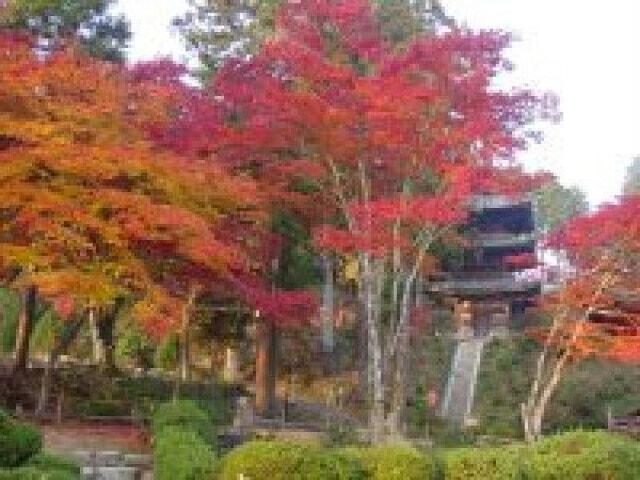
[
  {"x": 182, "y": 455},
  {"x": 18, "y": 442},
  {"x": 569, "y": 456},
  {"x": 507, "y": 463},
  {"x": 185, "y": 415},
  {"x": 279, "y": 460},
  {"x": 392, "y": 462},
  {"x": 590, "y": 455}
]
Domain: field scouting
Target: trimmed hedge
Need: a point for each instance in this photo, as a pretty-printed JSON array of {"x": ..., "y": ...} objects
[
  {"x": 393, "y": 462},
  {"x": 568, "y": 456},
  {"x": 18, "y": 442},
  {"x": 508, "y": 463},
  {"x": 33, "y": 473},
  {"x": 184, "y": 442},
  {"x": 181, "y": 454},
  {"x": 279, "y": 460},
  {"x": 43, "y": 467},
  {"x": 586, "y": 455}
]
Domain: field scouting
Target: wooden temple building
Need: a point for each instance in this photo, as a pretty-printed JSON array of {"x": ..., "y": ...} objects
[
  {"x": 492, "y": 282},
  {"x": 488, "y": 286}
]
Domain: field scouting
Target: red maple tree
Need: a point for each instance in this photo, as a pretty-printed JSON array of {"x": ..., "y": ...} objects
[{"x": 379, "y": 149}]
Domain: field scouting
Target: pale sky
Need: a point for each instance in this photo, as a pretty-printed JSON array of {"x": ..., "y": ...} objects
[{"x": 584, "y": 51}]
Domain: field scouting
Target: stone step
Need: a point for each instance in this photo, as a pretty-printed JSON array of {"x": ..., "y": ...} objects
[
  {"x": 112, "y": 459},
  {"x": 111, "y": 473},
  {"x": 138, "y": 460},
  {"x": 113, "y": 465},
  {"x": 98, "y": 459},
  {"x": 462, "y": 379}
]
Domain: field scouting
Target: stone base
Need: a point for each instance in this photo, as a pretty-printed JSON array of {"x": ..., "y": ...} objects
[
  {"x": 110, "y": 473},
  {"x": 470, "y": 422}
]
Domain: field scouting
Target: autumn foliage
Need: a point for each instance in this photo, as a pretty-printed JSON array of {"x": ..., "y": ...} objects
[
  {"x": 605, "y": 248},
  {"x": 378, "y": 149},
  {"x": 92, "y": 210}
]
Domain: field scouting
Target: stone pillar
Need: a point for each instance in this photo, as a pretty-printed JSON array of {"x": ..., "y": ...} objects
[
  {"x": 231, "y": 369},
  {"x": 463, "y": 317},
  {"x": 500, "y": 320},
  {"x": 99, "y": 353}
]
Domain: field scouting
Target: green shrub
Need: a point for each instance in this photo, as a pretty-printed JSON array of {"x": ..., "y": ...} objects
[
  {"x": 54, "y": 463},
  {"x": 10, "y": 307},
  {"x": 18, "y": 442},
  {"x": 181, "y": 454},
  {"x": 185, "y": 415},
  {"x": 166, "y": 355},
  {"x": 135, "y": 347},
  {"x": 588, "y": 389},
  {"x": 184, "y": 436},
  {"x": 279, "y": 460},
  {"x": 569, "y": 456},
  {"x": 104, "y": 408},
  {"x": 332, "y": 465},
  {"x": 33, "y": 473},
  {"x": 392, "y": 462},
  {"x": 586, "y": 455},
  {"x": 43, "y": 467},
  {"x": 508, "y": 463}
]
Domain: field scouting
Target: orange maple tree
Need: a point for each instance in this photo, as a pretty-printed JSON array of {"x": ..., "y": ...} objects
[
  {"x": 597, "y": 311},
  {"x": 91, "y": 210}
]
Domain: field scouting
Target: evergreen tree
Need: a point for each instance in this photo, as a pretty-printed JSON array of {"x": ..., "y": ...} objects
[
  {"x": 88, "y": 22},
  {"x": 216, "y": 30},
  {"x": 555, "y": 204}
]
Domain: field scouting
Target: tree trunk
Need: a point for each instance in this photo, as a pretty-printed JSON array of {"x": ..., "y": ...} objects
[
  {"x": 396, "y": 278},
  {"x": 534, "y": 414},
  {"x": 26, "y": 320},
  {"x": 375, "y": 367},
  {"x": 106, "y": 329},
  {"x": 326, "y": 311},
  {"x": 378, "y": 411},
  {"x": 183, "y": 344},
  {"x": 265, "y": 367},
  {"x": 183, "y": 371},
  {"x": 419, "y": 301},
  {"x": 533, "y": 411},
  {"x": 362, "y": 354},
  {"x": 68, "y": 335},
  {"x": 401, "y": 350},
  {"x": 99, "y": 351}
]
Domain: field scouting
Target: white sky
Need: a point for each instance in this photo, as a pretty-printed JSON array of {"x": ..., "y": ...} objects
[{"x": 584, "y": 51}]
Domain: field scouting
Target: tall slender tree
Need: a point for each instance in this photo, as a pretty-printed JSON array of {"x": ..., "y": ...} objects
[{"x": 393, "y": 143}]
